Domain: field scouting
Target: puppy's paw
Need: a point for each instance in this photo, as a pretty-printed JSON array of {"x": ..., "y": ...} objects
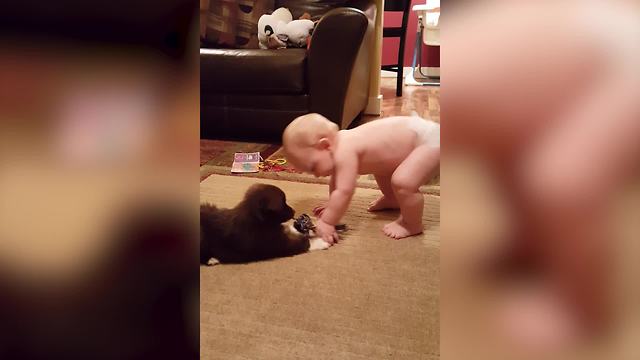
[
  {"x": 213, "y": 261},
  {"x": 291, "y": 232},
  {"x": 317, "y": 243}
]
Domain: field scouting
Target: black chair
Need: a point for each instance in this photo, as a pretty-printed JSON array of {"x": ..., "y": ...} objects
[{"x": 399, "y": 32}]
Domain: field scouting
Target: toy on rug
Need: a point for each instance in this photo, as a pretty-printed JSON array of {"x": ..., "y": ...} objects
[
  {"x": 253, "y": 162},
  {"x": 305, "y": 225},
  {"x": 279, "y": 30},
  {"x": 276, "y": 165},
  {"x": 246, "y": 162}
]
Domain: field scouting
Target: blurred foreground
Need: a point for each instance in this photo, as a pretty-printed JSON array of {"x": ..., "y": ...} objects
[
  {"x": 98, "y": 181},
  {"x": 541, "y": 139}
]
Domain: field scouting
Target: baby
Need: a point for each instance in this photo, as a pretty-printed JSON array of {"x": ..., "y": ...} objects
[{"x": 402, "y": 153}]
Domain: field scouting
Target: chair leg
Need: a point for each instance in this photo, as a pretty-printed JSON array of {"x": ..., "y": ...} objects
[
  {"x": 399, "y": 81},
  {"x": 400, "y": 65}
]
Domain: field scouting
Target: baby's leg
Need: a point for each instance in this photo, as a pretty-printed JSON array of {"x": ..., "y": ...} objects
[
  {"x": 388, "y": 199},
  {"x": 405, "y": 182}
]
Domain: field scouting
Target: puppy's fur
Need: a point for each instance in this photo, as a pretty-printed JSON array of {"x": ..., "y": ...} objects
[{"x": 253, "y": 230}]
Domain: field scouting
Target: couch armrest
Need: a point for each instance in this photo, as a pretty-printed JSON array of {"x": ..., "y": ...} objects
[{"x": 335, "y": 44}]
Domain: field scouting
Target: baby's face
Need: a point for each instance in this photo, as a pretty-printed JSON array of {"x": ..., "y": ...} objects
[
  {"x": 322, "y": 163},
  {"x": 318, "y": 162}
]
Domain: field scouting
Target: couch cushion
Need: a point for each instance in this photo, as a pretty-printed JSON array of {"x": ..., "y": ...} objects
[
  {"x": 249, "y": 117},
  {"x": 253, "y": 71}
]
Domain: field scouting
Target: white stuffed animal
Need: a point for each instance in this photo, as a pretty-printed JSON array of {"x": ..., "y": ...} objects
[
  {"x": 268, "y": 24},
  {"x": 279, "y": 30},
  {"x": 298, "y": 31}
]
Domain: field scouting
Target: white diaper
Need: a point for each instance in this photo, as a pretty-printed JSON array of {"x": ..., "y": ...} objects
[{"x": 428, "y": 131}]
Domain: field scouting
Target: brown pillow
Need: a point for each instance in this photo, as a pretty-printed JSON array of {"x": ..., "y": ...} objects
[{"x": 234, "y": 23}]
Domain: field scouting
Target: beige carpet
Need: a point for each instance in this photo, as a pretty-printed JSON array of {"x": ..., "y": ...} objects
[{"x": 368, "y": 297}]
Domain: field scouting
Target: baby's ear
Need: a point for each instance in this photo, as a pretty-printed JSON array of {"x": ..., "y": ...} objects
[{"x": 324, "y": 143}]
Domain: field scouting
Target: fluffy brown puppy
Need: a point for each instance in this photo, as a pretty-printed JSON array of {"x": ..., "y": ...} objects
[{"x": 253, "y": 230}]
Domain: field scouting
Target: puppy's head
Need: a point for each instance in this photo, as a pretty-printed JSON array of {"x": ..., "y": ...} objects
[{"x": 268, "y": 204}]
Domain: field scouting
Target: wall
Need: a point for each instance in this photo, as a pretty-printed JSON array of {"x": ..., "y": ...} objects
[{"x": 430, "y": 54}]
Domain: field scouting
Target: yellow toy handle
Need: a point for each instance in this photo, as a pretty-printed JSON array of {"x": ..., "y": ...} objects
[{"x": 265, "y": 163}]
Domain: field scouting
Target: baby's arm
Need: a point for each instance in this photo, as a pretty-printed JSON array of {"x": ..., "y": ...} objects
[
  {"x": 319, "y": 209},
  {"x": 344, "y": 183}
]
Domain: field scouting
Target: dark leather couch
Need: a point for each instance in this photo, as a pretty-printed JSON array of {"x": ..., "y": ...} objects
[{"x": 252, "y": 94}]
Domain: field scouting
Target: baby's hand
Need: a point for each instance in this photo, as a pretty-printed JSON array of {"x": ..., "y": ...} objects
[
  {"x": 326, "y": 232},
  {"x": 318, "y": 210}
]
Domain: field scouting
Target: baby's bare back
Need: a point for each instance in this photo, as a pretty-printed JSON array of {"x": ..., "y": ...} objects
[{"x": 382, "y": 145}]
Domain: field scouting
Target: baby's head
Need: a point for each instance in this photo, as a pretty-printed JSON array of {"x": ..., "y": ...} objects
[{"x": 308, "y": 143}]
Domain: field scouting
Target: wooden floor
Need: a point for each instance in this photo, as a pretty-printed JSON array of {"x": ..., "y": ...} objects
[{"x": 425, "y": 100}]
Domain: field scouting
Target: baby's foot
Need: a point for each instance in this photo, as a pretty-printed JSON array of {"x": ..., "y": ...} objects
[
  {"x": 383, "y": 203},
  {"x": 399, "y": 229}
]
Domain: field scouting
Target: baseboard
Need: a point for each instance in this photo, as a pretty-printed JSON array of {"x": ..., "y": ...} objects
[
  {"x": 429, "y": 72},
  {"x": 374, "y": 105}
]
